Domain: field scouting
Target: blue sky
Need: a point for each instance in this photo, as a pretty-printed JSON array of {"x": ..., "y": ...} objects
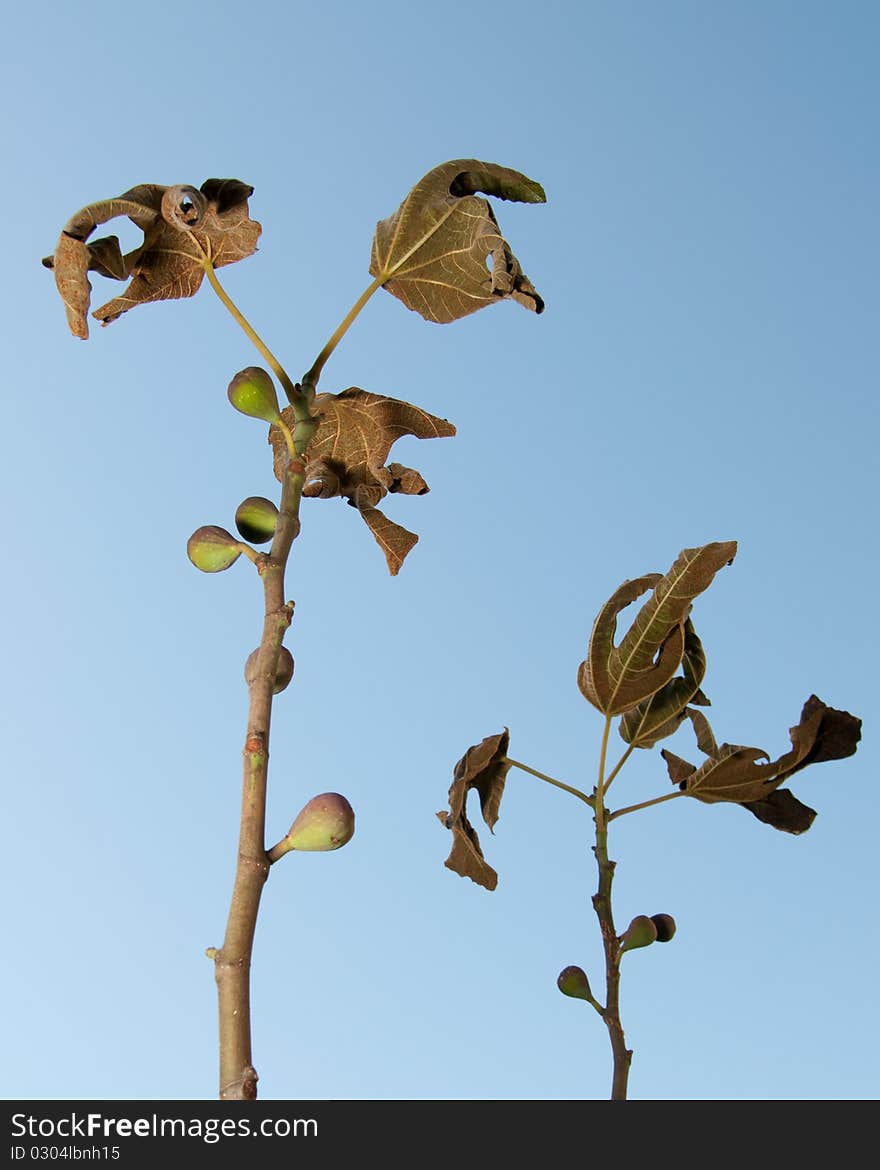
[{"x": 706, "y": 369}]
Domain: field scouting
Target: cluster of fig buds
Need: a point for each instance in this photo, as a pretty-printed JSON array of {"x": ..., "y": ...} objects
[{"x": 641, "y": 932}]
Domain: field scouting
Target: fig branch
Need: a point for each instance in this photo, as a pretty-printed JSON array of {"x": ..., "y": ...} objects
[
  {"x": 622, "y": 1056},
  {"x": 579, "y": 986},
  {"x": 641, "y": 931},
  {"x": 442, "y": 255},
  {"x": 252, "y": 393},
  {"x": 232, "y": 962},
  {"x": 330, "y": 824}
]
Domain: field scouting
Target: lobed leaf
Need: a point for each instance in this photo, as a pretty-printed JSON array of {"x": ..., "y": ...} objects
[
  {"x": 616, "y": 678},
  {"x": 483, "y": 767},
  {"x": 181, "y": 226},
  {"x": 432, "y": 252},
  {"x": 732, "y": 773},
  {"x": 347, "y": 454}
]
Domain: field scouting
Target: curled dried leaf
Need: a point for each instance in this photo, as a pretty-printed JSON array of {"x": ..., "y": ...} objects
[
  {"x": 347, "y": 454},
  {"x": 703, "y": 732},
  {"x": 734, "y": 774},
  {"x": 483, "y": 767},
  {"x": 181, "y": 225},
  {"x": 661, "y": 715},
  {"x": 616, "y": 678},
  {"x": 432, "y": 252}
]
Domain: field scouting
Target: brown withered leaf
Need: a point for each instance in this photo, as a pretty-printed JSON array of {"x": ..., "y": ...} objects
[
  {"x": 783, "y": 810},
  {"x": 484, "y": 768},
  {"x": 617, "y": 678},
  {"x": 394, "y": 540},
  {"x": 180, "y": 224},
  {"x": 703, "y": 732},
  {"x": 732, "y": 773},
  {"x": 661, "y": 715},
  {"x": 432, "y": 252},
  {"x": 346, "y": 457}
]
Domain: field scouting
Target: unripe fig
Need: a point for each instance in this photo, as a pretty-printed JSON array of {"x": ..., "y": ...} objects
[
  {"x": 283, "y": 672},
  {"x": 573, "y": 981},
  {"x": 256, "y": 519},
  {"x": 326, "y": 822},
  {"x": 641, "y": 932},
  {"x": 212, "y": 549},
  {"x": 252, "y": 391},
  {"x": 665, "y": 924}
]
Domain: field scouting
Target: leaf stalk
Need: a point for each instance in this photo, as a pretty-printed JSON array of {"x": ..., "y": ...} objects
[
  {"x": 310, "y": 380},
  {"x": 630, "y": 808},
  {"x": 293, "y": 392},
  {"x": 549, "y": 780}
]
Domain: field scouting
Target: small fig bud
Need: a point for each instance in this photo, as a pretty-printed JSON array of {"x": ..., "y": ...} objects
[
  {"x": 256, "y": 519},
  {"x": 573, "y": 981},
  {"x": 641, "y": 932},
  {"x": 283, "y": 672},
  {"x": 212, "y": 549},
  {"x": 252, "y": 391},
  {"x": 326, "y": 822},
  {"x": 665, "y": 925}
]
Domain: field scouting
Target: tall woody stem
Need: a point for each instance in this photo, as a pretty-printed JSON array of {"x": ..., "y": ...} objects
[
  {"x": 622, "y": 1056},
  {"x": 232, "y": 962}
]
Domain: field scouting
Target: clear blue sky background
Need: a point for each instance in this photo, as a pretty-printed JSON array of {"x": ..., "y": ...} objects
[{"x": 706, "y": 369}]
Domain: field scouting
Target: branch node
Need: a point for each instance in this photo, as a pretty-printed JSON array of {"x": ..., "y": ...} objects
[
  {"x": 223, "y": 964},
  {"x": 243, "y": 1088},
  {"x": 258, "y": 863}
]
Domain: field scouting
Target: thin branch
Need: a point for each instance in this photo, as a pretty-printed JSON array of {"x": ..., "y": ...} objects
[
  {"x": 621, "y": 812},
  {"x": 549, "y": 780}
]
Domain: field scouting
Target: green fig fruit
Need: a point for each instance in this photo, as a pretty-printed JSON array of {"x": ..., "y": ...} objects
[
  {"x": 641, "y": 932},
  {"x": 326, "y": 822},
  {"x": 256, "y": 519},
  {"x": 212, "y": 549},
  {"x": 573, "y": 981},
  {"x": 665, "y": 925},
  {"x": 252, "y": 391},
  {"x": 283, "y": 672}
]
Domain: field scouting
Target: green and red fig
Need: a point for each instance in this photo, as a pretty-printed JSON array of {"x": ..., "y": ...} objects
[
  {"x": 212, "y": 549},
  {"x": 326, "y": 822}
]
